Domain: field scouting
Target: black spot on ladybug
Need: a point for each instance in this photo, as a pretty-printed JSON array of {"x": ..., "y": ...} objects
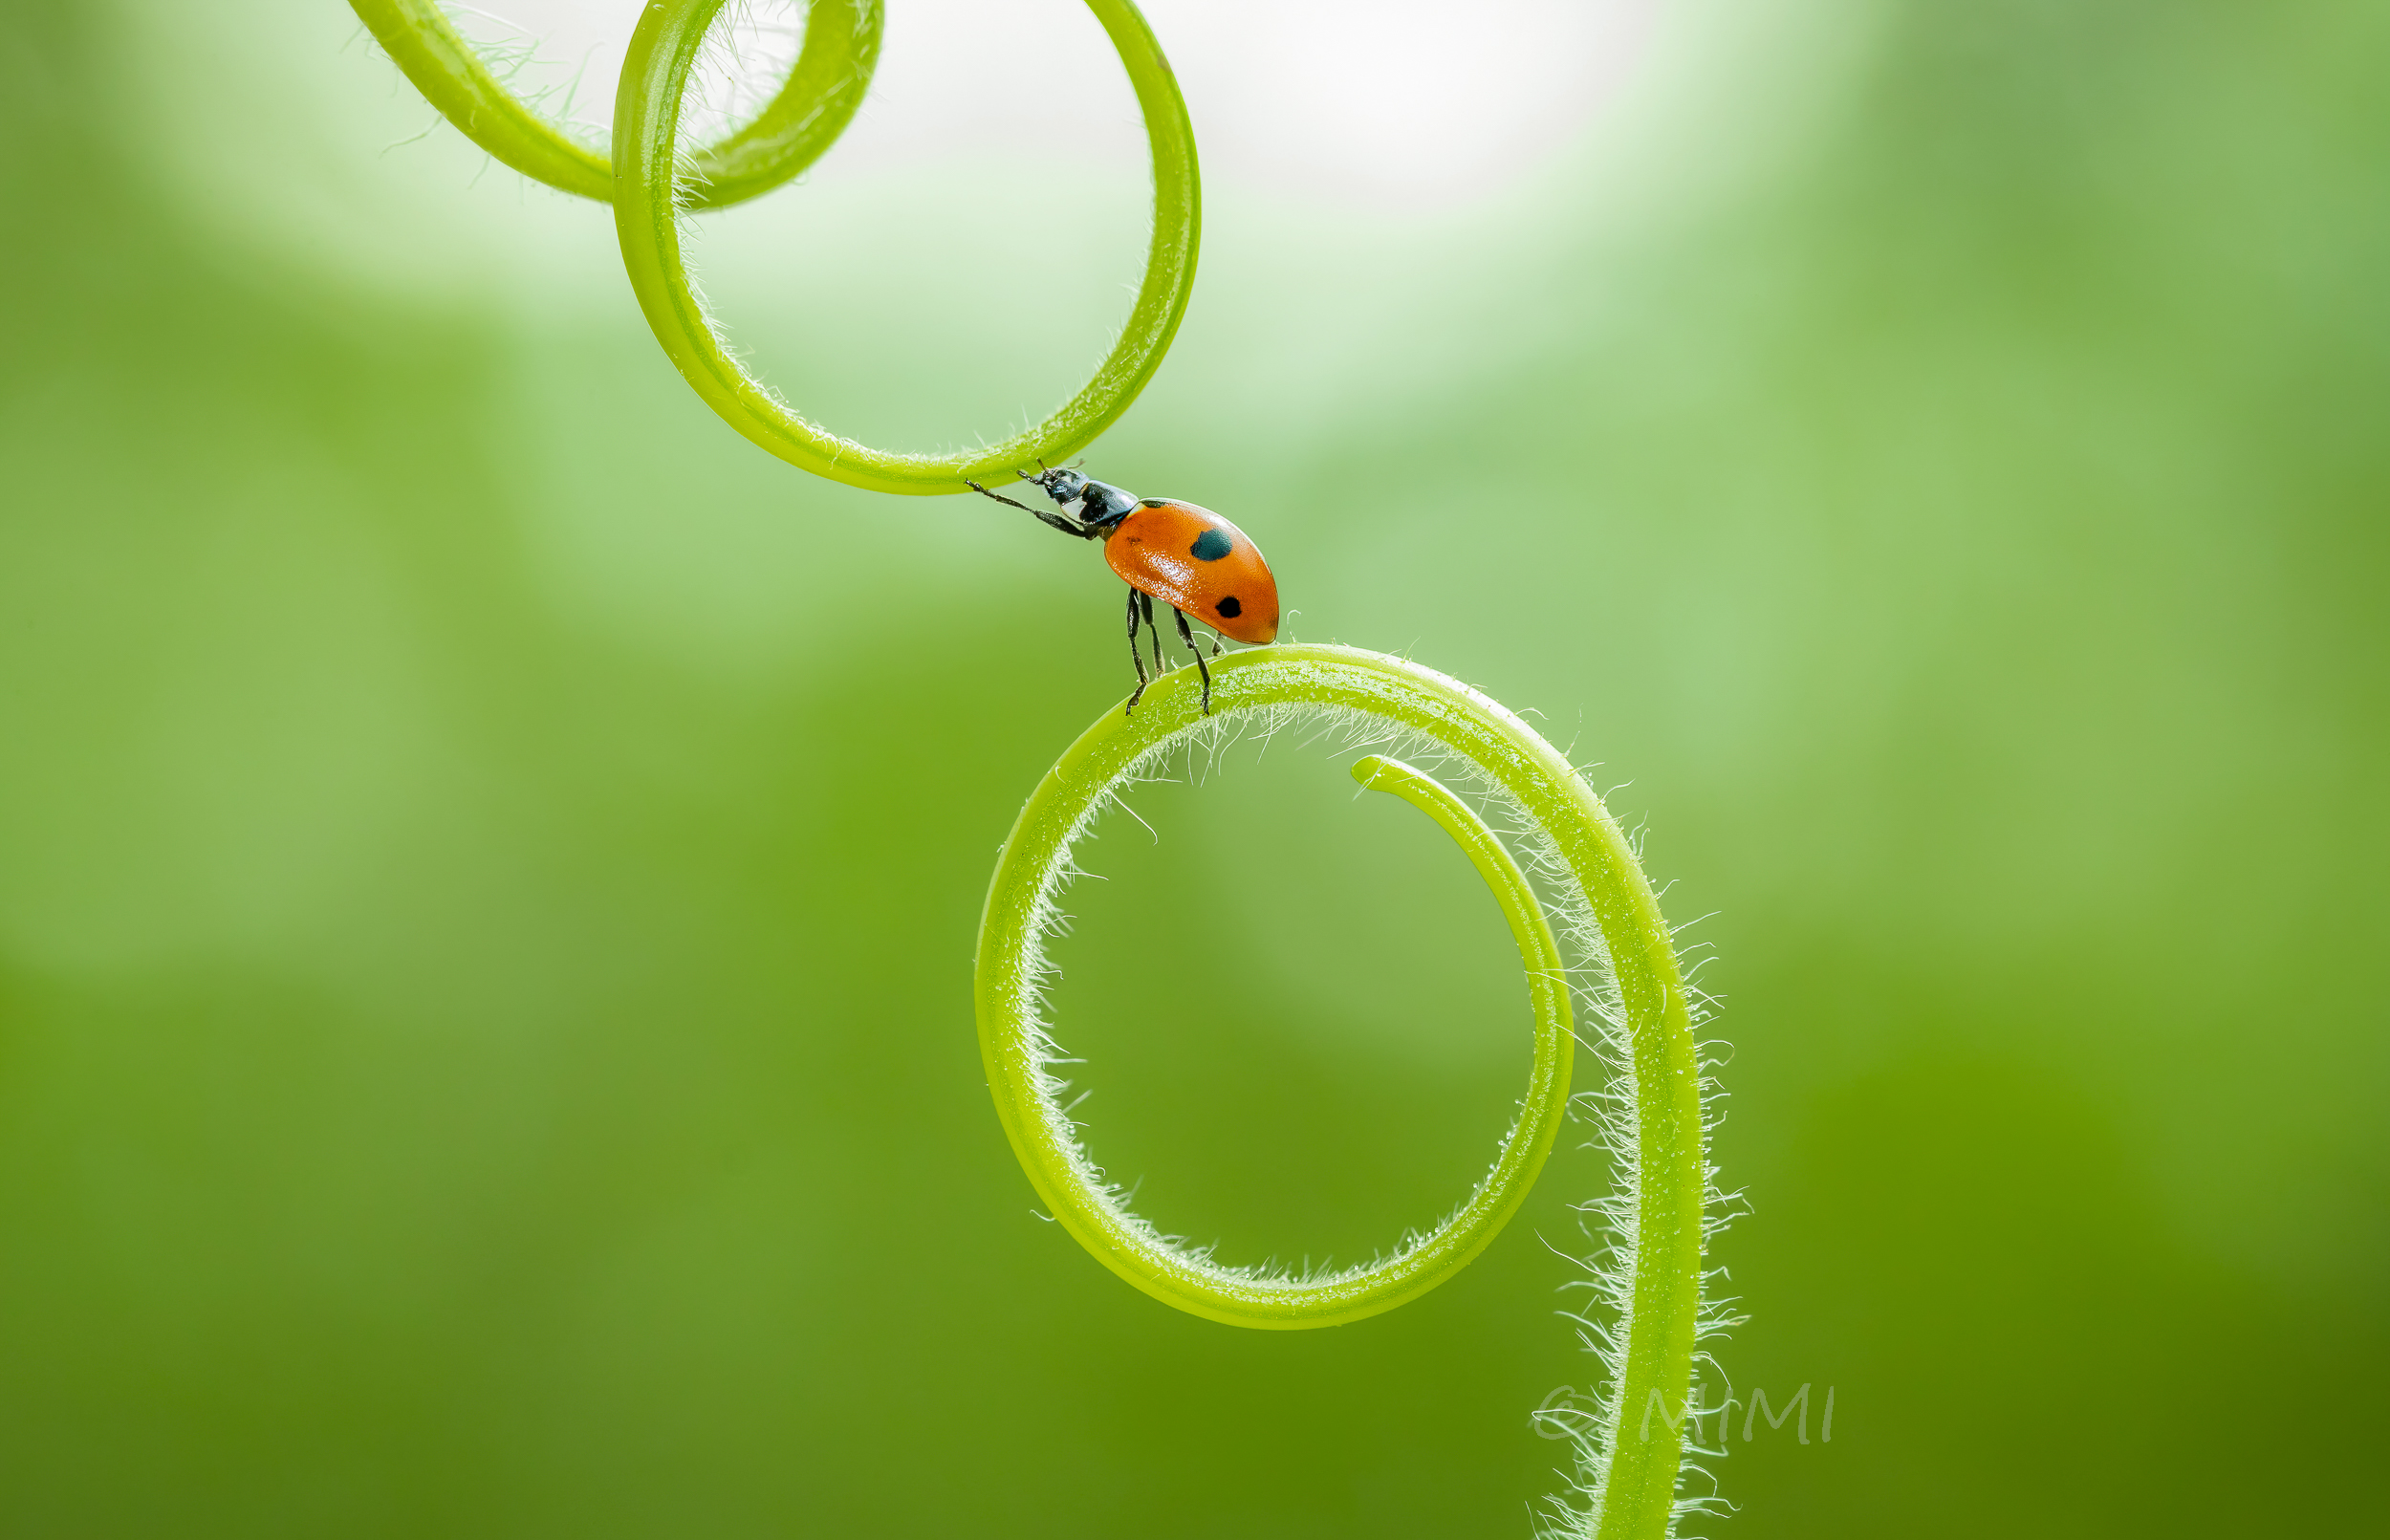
[
  {"x": 1230, "y": 607},
  {"x": 1210, "y": 546}
]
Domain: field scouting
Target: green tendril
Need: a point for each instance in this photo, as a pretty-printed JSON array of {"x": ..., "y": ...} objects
[
  {"x": 651, "y": 184},
  {"x": 804, "y": 118},
  {"x": 1648, "y": 1275},
  {"x": 1615, "y": 953},
  {"x": 646, "y": 204}
]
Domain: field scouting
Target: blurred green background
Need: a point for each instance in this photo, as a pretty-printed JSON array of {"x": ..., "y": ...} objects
[{"x": 489, "y": 860}]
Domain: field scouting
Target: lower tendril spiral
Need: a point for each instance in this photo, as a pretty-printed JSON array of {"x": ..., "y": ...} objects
[{"x": 1626, "y": 969}]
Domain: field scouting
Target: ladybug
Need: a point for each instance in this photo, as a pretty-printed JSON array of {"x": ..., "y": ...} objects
[{"x": 1188, "y": 558}]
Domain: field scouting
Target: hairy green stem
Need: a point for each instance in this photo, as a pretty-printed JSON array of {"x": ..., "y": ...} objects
[
  {"x": 1652, "y": 1281},
  {"x": 803, "y": 120},
  {"x": 646, "y": 204}
]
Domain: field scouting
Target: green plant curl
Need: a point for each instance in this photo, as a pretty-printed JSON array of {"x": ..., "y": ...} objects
[
  {"x": 812, "y": 109},
  {"x": 646, "y": 210},
  {"x": 1648, "y": 1276},
  {"x": 1651, "y": 1112}
]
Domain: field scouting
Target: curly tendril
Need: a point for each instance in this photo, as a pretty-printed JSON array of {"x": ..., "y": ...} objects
[
  {"x": 651, "y": 183},
  {"x": 811, "y": 111},
  {"x": 1623, "y": 967},
  {"x": 646, "y": 128},
  {"x": 1131, "y": 1247},
  {"x": 1613, "y": 954}
]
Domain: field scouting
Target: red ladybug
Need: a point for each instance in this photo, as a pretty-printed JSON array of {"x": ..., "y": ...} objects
[{"x": 1188, "y": 558}]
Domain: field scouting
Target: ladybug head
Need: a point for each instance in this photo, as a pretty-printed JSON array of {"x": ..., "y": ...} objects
[{"x": 1063, "y": 485}]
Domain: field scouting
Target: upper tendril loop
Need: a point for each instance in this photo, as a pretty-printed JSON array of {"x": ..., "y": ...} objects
[
  {"x": 650, "y": 184},
  {"x": 647, "y": 126}
]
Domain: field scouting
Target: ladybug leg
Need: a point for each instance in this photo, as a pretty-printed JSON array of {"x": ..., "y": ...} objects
[
  {"x": 1134, "y": 662},
  {"x": 1001, "y": 498},
  {"x": 1146, "y": 601},
  {"x": 1042, "y": 515},
  {"x": 1201, "y": 668}
]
